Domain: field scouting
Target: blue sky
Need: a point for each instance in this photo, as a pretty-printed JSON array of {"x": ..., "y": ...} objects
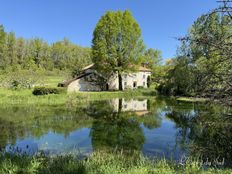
[{"x": 160, "y": 20}]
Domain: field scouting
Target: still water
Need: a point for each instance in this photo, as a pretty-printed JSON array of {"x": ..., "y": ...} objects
[{"x": 159, "y": 127}]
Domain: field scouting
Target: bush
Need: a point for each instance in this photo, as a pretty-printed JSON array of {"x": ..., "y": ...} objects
[
  {"x": 19, "y": 79},
  {"x": 46, "y": 91},
  {"x": 140, "y": 87}
]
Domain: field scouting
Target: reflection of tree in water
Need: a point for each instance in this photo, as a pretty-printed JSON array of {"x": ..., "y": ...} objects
[
  {"x": 153, "y": 118},
  {"x": 207, "y": 133},
  {"x": 113, "y": 130},
  {"x": 21, "y": 122},
  {"x": 18, "y": 122},
  {"x": 9, "y": 133}
]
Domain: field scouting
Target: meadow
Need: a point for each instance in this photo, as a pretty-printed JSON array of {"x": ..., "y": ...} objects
[
  {"x": 99, "y": 161},
  {"x": 21, "y": 96}
]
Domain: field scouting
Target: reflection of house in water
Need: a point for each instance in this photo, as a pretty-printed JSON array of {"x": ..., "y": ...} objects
[{"x": 140, "y": 107}]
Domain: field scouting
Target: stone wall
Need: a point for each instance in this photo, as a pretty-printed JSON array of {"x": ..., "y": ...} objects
[{"x": 129, "y": 81}]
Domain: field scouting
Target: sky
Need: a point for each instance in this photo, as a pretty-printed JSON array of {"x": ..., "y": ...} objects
[{"x": 161, "y": 21}]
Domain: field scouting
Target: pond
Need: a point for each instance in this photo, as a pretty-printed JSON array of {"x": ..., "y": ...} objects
[{"x": 160, "y": 127}]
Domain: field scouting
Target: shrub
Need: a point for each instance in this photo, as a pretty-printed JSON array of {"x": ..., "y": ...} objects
[
  {"x": 140, "y": 87},
  {"x": 46, "y": 91},
  {"x": 18, "y": 79}
]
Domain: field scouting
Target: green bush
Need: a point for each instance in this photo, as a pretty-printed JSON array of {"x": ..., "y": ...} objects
[
  {"x": 140, "y": 87},
  {"x": 46, "y": 91}
]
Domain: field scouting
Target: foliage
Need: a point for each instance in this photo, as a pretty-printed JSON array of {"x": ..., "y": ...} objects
[
  {"x": 113, "y": 48},
  {"x": 179, "y": 78},
  {"x": 125, "y": 134},
  {"x": 17, "y": 78},
  {"x": 69, "y": 56},
  {"x": 36, "y": 53},
  {"x": 47, "y": 90},
  {"x": 152, "y": 58},
  {"x": 203, "y": 64}
]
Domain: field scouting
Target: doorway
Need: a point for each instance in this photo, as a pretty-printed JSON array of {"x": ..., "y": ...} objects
[{"x": 135, "y": 85}]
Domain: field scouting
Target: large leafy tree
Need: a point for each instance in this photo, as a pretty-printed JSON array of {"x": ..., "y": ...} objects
[
  {"x": 210, "y": 45},
  {"x": 203, "y": 66},
  {"x": 116, "y": 43}
]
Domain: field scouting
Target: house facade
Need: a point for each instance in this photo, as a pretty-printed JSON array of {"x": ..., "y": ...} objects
[{"x": 86, "y": 81}]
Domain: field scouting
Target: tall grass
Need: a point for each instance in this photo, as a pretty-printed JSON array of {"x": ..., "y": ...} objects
[
  {"x": 98, "y": 163},
  {"x": 25, "y": 96},
  {"x": 138, "y": 93}
]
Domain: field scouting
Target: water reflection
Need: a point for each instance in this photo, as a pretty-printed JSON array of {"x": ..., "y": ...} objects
[
  {"x": 160, "y": 127},
  {"x": 114, "y": 128},
  {"x": 205, "y": 133}
]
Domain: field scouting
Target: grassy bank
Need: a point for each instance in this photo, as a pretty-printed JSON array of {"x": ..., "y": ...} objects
[
  {"x": 25, "y": 96},
  {"x": 191, "y": 99},
  {"x": 99, "y": 162},
  {"x": 139, "y": 93}
]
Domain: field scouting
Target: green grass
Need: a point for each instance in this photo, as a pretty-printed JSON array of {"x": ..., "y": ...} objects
[
  {"x": 53, "y": 80},
  {"x": 191, "y": 99},
  {"x": 139, "y": 93},
  {"x": 25, "y": 96},
  {"x": 99, "y": 163}
]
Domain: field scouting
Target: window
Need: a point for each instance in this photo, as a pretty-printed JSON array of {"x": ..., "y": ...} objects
[
  {"x": 144, "y": 76},
  {"x": 144, "y": 84},
  {"x": 125, "y": 106},
  {"x": 125, "y": 84}
]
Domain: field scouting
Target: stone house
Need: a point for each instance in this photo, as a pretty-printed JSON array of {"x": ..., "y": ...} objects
[{"x": 86, "y": 80}]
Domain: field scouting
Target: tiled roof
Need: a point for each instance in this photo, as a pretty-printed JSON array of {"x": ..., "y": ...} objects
[
  {"x": 141, "y": 68},
  {"x": 88, "y": 67}
]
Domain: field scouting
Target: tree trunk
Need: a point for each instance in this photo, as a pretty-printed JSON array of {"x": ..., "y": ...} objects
[
  {"x": 120, "y": 81},
  {"x": 119, "y": 105}
]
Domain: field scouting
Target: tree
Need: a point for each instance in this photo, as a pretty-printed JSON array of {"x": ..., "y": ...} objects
[
  {"x": 36, "y": 54},
  {"x": 203, "y": 64},
  {"x": 152, "y": 57},
  {"x": 67, "y": 55},
  {"x": 210, "y": 47},
  {"x": 116, "y": 43},
  {"x": 2, "y": 46},
  {"x": 39, "y": 52},
  {"x": 178, "y": 78},
  {"x": 11, "y": 58},
  {"x": 20, "y": 50}
]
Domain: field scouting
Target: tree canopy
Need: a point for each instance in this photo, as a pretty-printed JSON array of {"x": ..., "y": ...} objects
[
  {"x": 203, "y": 63},
  {"x": 37, "y": 53},
  {"x": 117, "y": 43}
]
